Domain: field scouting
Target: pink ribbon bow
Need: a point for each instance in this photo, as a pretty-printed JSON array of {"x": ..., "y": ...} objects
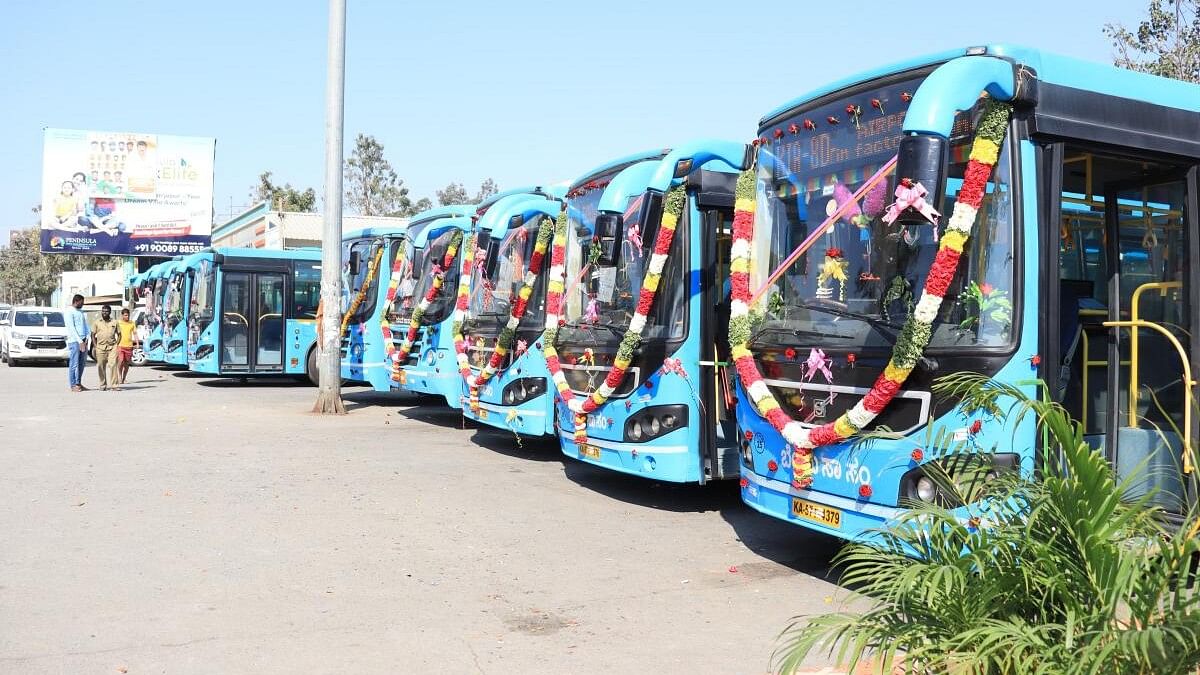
[
  {"x": 635, "y": 237},
  {"x": 818, "y": 363},
  {"x": 911, "y": 196},
  {"x": 592, "y": 313},
  {"x": 673, "y": 365},
  {"x": 522, "y": 345}
]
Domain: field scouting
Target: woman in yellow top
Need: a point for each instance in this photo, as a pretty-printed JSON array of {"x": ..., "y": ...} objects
[{"x": 127, "y": 329}]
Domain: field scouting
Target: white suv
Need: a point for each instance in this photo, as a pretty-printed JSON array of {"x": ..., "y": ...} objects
[{"x": 33, "y": 334}]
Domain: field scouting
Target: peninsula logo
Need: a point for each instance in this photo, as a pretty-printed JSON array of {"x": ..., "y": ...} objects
[{"x": 56, "y": 242}]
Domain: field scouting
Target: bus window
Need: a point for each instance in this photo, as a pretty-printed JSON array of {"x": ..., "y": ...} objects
[{"x": 306, "y": 289}]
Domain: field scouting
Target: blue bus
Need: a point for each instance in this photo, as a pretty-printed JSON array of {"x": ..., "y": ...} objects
[
  {"x": 670, "y": 417},
  {"x": 157, "y": 284},
  {"x": 518, "y": 396},
  {"x": 377, "y": 326},
  {"x": 1080, "y": 271},
  {"x": 175, "y": 309},
  {"x": 253, "y": 313},
  {"x": 368, "y": 260}
]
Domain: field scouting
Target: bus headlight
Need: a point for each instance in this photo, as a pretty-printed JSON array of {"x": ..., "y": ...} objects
[
  {"x": 655, "y": 421},
  {"x": 947, "y": 480},
  {"x": 523, "y": 389}
]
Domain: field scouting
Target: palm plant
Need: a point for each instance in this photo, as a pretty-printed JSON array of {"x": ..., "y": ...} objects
[{"x": 1058, "y": 574}]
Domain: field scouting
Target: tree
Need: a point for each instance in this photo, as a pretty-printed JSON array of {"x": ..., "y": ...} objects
[
  {"x": 374, "y": 189},
  {"x": 26, "y": 272},
  {"x": 1071, "y": 572},
  {"x": 453, "y": 193},
  {"x": 486, "y": 189},
  {"x": 284, "y": 197},
  {"x": 1166, "y": 43}
]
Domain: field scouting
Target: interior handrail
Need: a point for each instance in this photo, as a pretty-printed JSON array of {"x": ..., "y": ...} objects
[
  {"x": 1134, "y": 315},
  {"x": 1188, "y": 382}
]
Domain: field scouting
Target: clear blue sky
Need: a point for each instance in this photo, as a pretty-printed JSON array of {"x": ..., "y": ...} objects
[{"x": 524, "y": 92}]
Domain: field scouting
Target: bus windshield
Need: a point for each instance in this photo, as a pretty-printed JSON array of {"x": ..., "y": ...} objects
[
  {"x": 204, "y": 293},
  {"x": 154, "y": 303},
  {"x": 860, "y": 280},
  {"x": 491, "y": 299},
  {"x": 605, "y": 296},
  {"x": 174, "y": 301},
  {"x": 435, "y": 254},
  {"x": 353, "y": 283},
  {"x": 410, "y": 259}
]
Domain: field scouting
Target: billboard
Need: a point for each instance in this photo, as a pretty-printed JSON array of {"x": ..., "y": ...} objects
[{"x": 120, "y": 193}]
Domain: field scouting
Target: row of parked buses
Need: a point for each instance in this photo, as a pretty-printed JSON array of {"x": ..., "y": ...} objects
[{"x": 744, "y": 311}]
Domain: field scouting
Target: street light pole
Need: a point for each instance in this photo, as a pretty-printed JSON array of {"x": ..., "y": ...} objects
[{"x": 329, "y": 396}]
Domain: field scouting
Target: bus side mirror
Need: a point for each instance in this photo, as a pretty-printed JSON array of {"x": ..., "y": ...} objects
[
  {"x": 650, "y": 217},
  {"x": 492, "y": 258},
  {"x": 354, "y": 263},
  {"x": 484, "y": 246},
  {"x": 923, "y": 159},
  {"x": 608, "y": 236}
]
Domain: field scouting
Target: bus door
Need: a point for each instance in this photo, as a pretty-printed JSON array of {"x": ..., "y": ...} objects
[
  {"x": 714, "y": 200},
  {"x": 252, "y": 322},
  {"x": 1128, "y": 276}
]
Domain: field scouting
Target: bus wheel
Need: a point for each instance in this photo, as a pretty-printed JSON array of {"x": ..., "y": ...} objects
[{"x": 310, "y": 367}]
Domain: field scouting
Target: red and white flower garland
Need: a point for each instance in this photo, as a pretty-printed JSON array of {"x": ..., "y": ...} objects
[
  {"x": 917, "y": 330},
  {"x": 672, "y": 210}
]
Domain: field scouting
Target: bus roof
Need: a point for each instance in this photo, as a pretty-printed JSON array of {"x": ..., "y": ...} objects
[
  {"x": 497, "y": 218},
  {"x": 609, "y": 166},
  {"x": 438, "y": 225},
  {"x": 1051, "y": 68},
  {"x": 308, "y": 253},
  {"x": 443, "y": 212},
  {"x": 370, "y": 232}
]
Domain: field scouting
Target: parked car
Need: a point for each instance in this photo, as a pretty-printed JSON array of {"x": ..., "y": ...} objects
[{"x": 33, "y": 334}]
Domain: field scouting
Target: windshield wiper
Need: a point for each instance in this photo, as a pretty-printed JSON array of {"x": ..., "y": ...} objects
[
  {"x": 872, "y": 321},
  {"x": 797, "y": 332}
]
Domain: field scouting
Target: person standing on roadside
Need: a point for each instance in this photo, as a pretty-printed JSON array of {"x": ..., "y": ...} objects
[
  {"x": 126, "y": 328},
  {"x": 77, "y": 337},
  {"x": 105, "y": 335}
]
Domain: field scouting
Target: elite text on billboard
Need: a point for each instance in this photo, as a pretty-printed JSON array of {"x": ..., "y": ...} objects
[{"x": 126, "y": 193}]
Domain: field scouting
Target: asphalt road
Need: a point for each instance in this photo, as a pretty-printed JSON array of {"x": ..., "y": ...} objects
[{"x": 190, "y": 525}]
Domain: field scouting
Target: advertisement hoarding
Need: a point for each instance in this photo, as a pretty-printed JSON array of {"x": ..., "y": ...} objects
[{"x": 121, "y": 193}]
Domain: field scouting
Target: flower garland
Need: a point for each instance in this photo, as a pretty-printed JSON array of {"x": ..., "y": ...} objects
[
  {"x": 672, "y": 210},
  {"x": 917, "y": 330},
  {"x": 385, "y": 327},
  {"x": 435, "y": 289},
  {"x": 461, "y": 305},
  {"x": 372, "y": 268},
  {"x": 504, "y": 341}
]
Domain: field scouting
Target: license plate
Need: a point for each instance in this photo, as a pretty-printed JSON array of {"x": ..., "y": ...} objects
[
  {"x": 589, "y": 451},
  {"x": 817, "y": 513},
  {"x": 46, "y": 350},
  {"x": 483, "y": 414}
]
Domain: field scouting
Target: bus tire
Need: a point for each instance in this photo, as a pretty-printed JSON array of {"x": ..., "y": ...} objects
[{"x": 311, "y": 369}]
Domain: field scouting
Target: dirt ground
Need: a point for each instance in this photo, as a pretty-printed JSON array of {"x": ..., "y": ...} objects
[{"x": 191, "y": 525}]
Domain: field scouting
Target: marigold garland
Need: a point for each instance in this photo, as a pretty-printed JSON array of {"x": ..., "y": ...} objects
[
  {"x": 673, "y": 204},
  {"x": 461, "y": 306},
  {"x": 504, "y": 341},
  {"x": 435, "y": 289},
  {"x": 913, "y": 337},
  {"x": 372, "y": 268},
  {"x": 385, "y": 326}
]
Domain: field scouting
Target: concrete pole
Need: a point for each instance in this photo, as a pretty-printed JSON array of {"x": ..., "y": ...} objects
[{"x": 329, "y": 397}]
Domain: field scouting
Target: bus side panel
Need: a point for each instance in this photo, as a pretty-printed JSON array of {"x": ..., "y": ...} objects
[{"x": 301, "y": 337}]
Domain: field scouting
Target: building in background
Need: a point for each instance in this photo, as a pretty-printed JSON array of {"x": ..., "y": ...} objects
[
  {"x": 98, "y": 287},
  {"x": 260, "y": 227}
]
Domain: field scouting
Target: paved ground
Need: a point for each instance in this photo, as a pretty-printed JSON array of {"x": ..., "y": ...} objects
[{"x": 196, "y": 525}]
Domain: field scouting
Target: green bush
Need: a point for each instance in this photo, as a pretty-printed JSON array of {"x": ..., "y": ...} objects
[{"x": 1056, "y": 575}]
